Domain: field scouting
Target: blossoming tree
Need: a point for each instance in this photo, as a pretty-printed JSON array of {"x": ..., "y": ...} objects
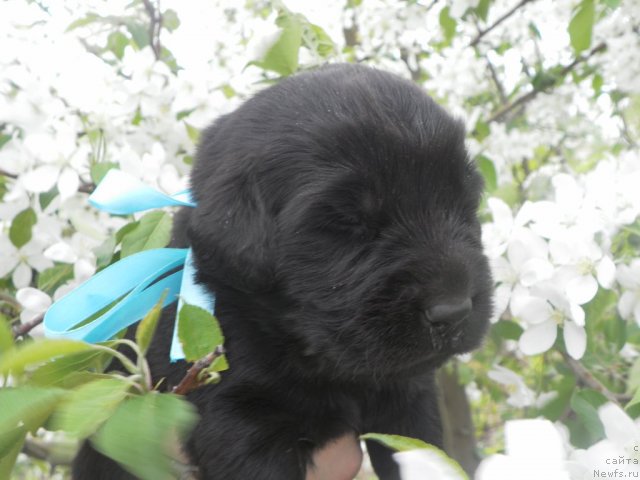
[{"x": 550, "y": 92}]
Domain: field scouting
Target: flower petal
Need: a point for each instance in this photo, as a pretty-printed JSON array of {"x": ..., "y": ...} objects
[
  {"x": 21, "y": 275},
  {"x": 618, "y": 426},
  {"x": 606, "y": 272},
  {"x": 535, "y": 438},
  {"x": 61, "y": 252},
  {"x": 41, "y": 179},
  {"x": 575, "y": 340},
  {"x": 581, "y": 289},
  {"x": 538, "y": 338},
  {"x": 33, "y": 299},
  {"x": 68, "y": 183},
  {"x": 626, "y": 304}
]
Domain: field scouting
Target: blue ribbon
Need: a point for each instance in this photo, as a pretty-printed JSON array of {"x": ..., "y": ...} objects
[{"x": 132, "y": 285}]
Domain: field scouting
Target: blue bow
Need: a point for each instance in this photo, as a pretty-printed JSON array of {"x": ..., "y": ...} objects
[{"x": 130, "y": 287}]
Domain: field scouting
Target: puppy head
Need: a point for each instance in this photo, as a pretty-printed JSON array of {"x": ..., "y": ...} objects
[{"x": 346, "y": 194}]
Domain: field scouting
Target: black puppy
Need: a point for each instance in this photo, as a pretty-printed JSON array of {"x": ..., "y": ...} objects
[{"x": 336, "y": 224}]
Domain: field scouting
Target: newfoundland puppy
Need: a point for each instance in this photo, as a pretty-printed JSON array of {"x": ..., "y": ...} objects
[{"x": 337, "y": 226}]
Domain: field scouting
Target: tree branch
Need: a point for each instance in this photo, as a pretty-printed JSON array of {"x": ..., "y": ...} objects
[
  {"x": 191, "y": 380},
  {"x": 155, "y": 25},
  {"x": 24, "y": 328},
  {"x": 592, "y": 382},
  {"x": 482, "y": 33},
  {"x": 527, "y": 97}
]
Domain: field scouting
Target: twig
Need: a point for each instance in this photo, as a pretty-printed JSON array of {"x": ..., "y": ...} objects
[
  {"x": 592, "y": 382},
  {"x": 24, "y": 328},
  {"x": 482, "y": 33},
  {"x": 527, "y": 97},
  {"x": 155, "y": 25},
  {"x": 191, "y": 381}
]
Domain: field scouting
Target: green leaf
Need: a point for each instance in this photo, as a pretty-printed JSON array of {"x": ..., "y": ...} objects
[
  {"x": 58, "y": 372},
  {"x": 99, "y": 170},
  {"x": 153, "y": 231},
  {"x": 635, "y": 400},
  {"x": 116, "y": 43},
  {"x": 87, "y": 407},
  {"x": 228, "y": 91},
  {"x": 322, "y": 41},
  {"x": 139, "y": 34},
  {"x": 220, "y": 364},
  {"x": 507, "y": 330},
  {"x": 39, "y": 351},
  {"x": 10, "y": 446},
  {"x": 581, "y": 26},
  {"x": 53, "y": 277},
  {"x": 104, "y": 252},
  {"x": 282, "y": 56},
  {"x": 4, "y": 139},
  {"x": 585, "y": 403},
  {"x": 403, "y": 444},
  {"x": 482, "y": 10},
  {"x": 199, "y": 332},
  {"x": 129, "y": 227},
  {"x": 31, "y": 406},
  {"x": 489, "y": 173},
  {"x": 81, "y": 22},
  {"x": 596, "y": 83},
  {"x": 147, "y": 327},
  {"x": 192, "y": 132},
  {"x": 140, "y": 433},
  {"x": 21, "y": 226},
  {"x": 6, "y": 336},
  {"x": 45, "y": 198},
  {"x": 448, "y": 25},
  {"x": 170, "y": 20}
]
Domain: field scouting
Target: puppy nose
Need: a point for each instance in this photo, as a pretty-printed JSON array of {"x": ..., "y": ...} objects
[{"x": 449, "y": 312}]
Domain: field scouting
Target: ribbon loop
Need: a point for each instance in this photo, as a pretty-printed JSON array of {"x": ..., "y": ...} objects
[
  {"x": 122, "y": 194},
  {"x": 130, "y": 286}
]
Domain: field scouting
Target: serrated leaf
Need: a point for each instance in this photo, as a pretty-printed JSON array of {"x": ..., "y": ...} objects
[
  {"x": 58, "y": 372},
  {"x": 282, "y": 56},
  {"x": 116, "y": 43},
  {"x": 581, "y": 26},
  {"x": 28, "y": 405},
  {"x": 585, "y": 403},
  {"x": 52, "y": 278},
  {"x": 87, "y": 407},
  {"x": 147, "y": 327},
  {"x": 488, "y": 170},
  {"x": 30, "y": 354},
  {"x": 21, "y": 226},
  {"x": 198, "y": 331},
  {"x": 140, "y": 433},
  {"x": 6, "y": 336},
  {"x": 404, "y": 444},
  {"x": 448, "y": 25},
  {"x": 99, "y": 170},
  {"x": 153, "y": 231}
]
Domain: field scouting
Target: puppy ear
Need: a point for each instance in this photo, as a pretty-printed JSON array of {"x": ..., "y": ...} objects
[{"x": 230, "y": 229}]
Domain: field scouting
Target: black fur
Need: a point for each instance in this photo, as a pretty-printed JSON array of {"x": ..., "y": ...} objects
[{"x": 334, "y": 209}]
